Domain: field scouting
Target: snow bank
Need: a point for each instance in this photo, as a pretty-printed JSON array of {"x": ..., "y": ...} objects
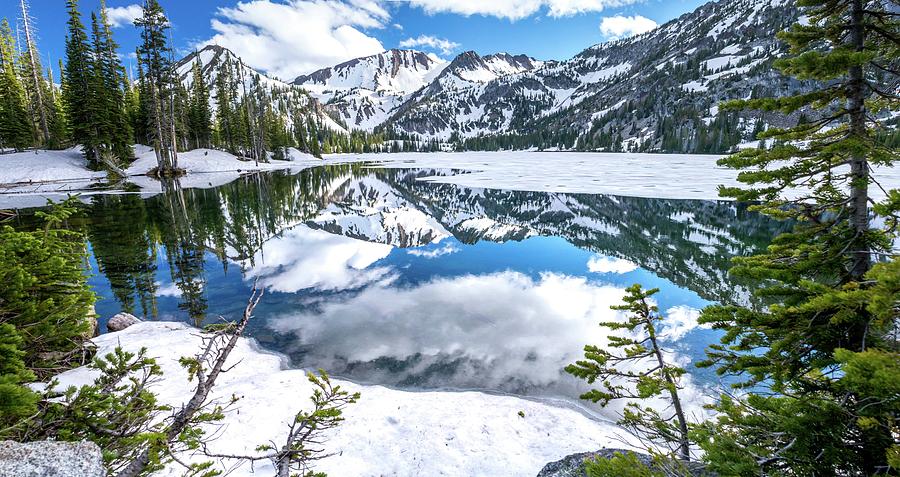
[
  {"x": 202, "y": 161},
  {"x": 28, "y": 179},
  {"x": 41, "y": 172},
  {"x": 388, "y": 432}
]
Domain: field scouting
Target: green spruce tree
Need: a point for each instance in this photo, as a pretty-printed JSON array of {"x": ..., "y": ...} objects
[
  {"x": 622, "y": 375},
  {"x": 200, "y": 115},
  {"x": 79, "y": 87},
  {"x": 15, "y": 126},
  {"x": 110, "y": 76},
  {"x": 158, "y": 86},
  {"x": 819, "y": 359}
]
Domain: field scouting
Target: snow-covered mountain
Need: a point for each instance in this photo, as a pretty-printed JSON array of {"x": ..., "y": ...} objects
[
  {"x": 286, "y": 97},
  {"x": 658, "y": 91},
  {"x": 363, "y": 92},
  {"x": 628, "y": 88}
]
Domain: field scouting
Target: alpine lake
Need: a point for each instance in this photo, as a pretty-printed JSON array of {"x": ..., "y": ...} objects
[{"x": 381, "y": 278}]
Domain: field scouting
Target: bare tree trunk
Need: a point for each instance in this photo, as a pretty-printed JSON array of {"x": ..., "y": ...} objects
[
  {"x": 205, "y": 382},
  {"x": 29, "y": 46},
  {"x": 684, "y": 446}
]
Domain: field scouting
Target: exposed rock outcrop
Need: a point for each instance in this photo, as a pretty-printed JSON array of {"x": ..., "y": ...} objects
[
  {"x": 50, "y": 459},
  {"x": 573, "y": 465}
]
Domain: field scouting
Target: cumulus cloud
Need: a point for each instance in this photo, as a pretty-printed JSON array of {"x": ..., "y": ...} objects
[
  {"x": 123, "y": 16},
  {"x": 621, "y": 26},
  {"x": 290, "y": 38},
  {"x": 303, "y": 258},
  {"x": 444, "y": 46},
  {"x": 517, "y": 9},
  {"x": 603, "y": 264}
]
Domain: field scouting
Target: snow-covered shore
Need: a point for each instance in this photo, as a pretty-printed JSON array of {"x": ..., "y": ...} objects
[
  {"x": 28, "y": 179},
  {"x": 388, "y": 432}
]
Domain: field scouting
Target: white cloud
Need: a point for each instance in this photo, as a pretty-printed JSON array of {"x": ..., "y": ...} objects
[
  {"x": 517, "y": 9},
  {"x": 123, "y": 16},
  {"x": 298, "y": 36},
  {"x": 621, "y": 26},
  {"x": 602, "y": 264},
  {"x": 444, "y": 46}
]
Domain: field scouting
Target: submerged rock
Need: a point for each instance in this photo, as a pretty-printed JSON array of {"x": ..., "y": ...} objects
[
  {"x": 50, "y": 459},
  {"x": 573, "y": 465},
  {"x": 121, "y": 321}
]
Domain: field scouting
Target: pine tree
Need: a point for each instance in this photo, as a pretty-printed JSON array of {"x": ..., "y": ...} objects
[
  {"x": 817, "y": 346},
  {"x": 200, "y": 116},
  {"x": 56, "y": 114},
  {"x": 79, "y": 87},
  {"x": 34, "y": 79},
  {"x": 111, "y": 78},
  {"x": 158, "y": 86},
  {"x": 619, "y": 379},
  {"x": 225, "y": 106},
  {"x": 15, "y": 125}
]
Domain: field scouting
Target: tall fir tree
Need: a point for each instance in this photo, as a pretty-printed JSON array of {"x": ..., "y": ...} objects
[
  {"x": 79, "y": 86},
  {"x": 15, "y": 126},
  {"x": 821, "y": 351},
  {"x": 200, "y": 115},
  {"x": 56, "y": 114},
  {"x": 36, "y": 89},
  {"x": 158, "y": 86},
  {"x": 111, "y": 78}
]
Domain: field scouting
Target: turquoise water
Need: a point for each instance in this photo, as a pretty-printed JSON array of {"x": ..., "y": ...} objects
[{"x": 381, "y": 278}]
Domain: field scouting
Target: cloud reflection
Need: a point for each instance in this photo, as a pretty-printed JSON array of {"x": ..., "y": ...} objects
[
  {"x": 304, "y": 258},
  {"x": 504, "y": 331},
  {"x": 603, "y": 264}
]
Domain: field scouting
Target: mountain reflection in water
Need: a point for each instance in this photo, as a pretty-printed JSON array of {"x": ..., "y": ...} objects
[{"x": 374, "y": 275}]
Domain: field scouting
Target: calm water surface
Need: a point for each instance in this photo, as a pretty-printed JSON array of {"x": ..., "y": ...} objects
[{"x": 379, "y": 277}]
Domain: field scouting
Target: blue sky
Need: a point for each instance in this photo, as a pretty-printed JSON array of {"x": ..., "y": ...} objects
[{"x": 290, "y": 37}]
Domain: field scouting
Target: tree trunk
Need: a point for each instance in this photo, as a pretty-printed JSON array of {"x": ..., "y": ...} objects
[
  {"x": 29, "y": 45},
  {"x": 861, "y": 259},
  {"x": 684, "y": 446}
]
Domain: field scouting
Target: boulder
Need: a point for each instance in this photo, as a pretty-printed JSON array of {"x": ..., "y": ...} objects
[
  {"x": 572, "y": 465},
  {"x": 121, "y": 321},
  {"x": 50, "y": 459}
]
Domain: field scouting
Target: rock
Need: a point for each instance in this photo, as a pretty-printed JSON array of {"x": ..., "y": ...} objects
[
  {"x": 572, "y": 465},
  {"x": 121, "y": 321},
  {"x": 50, "y": 459}
]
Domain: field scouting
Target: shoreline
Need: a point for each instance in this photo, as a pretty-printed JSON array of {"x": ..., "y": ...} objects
[{"x": 388, "y": 432}]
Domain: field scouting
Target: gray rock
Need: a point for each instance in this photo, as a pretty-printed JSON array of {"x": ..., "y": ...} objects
[
  {"x": 572, "y": 465},
  {"x": 121, "y": 321},
  {"x": 50, "y": 459}
]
